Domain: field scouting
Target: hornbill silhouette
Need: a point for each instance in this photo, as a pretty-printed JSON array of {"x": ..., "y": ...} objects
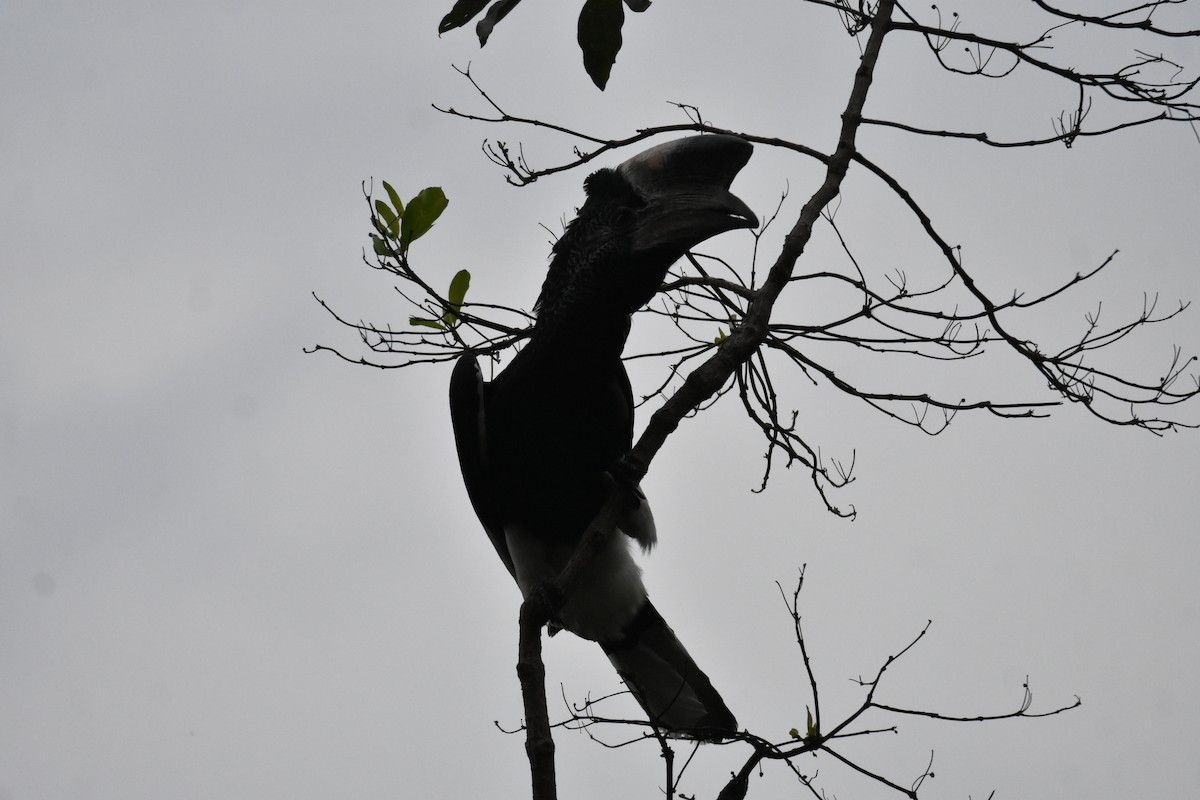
[{"x": 535, "y": 443}]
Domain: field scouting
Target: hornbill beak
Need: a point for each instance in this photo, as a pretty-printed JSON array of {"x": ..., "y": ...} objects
[{"x": 686, "y": 187}]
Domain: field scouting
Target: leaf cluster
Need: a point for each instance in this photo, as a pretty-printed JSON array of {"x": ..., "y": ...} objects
[
  {"x": 598, "y": 31},
  {"x": 398, "y": 225}
]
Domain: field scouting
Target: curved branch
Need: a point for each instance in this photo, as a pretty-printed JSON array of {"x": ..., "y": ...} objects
[
  {"x": 1112, "y": 21},
  {"x": 741, "y": 344}
]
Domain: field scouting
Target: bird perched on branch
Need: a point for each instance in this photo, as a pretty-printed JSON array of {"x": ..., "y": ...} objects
[{"x": 536, "y": 443}]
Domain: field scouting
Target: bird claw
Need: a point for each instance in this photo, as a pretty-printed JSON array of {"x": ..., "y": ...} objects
[
  {"x": 549, "y": 600},
  {"x": 637, "y": 522},
  {"x": 628, "y": 471}
]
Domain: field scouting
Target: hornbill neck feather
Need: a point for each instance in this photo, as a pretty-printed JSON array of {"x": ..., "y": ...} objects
[
  {"x": 584, "y": 305},
  {"x": 580, "y": 335}
]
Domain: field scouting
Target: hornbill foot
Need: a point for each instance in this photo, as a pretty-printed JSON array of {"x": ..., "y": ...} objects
[
  {"x": 548, "y": 599},
  {"x": 637, "y": 522},
  {"x": 628, "y": 471}
]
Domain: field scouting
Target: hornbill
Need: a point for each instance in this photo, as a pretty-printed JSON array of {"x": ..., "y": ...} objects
[{"x": 535, "y": 443}]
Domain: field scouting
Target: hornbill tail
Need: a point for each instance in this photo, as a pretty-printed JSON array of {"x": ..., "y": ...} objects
[{"x": 673, "y": 691}]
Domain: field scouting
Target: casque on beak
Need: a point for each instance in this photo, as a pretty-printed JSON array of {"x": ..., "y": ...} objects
[{"x": 686, "y": 187}]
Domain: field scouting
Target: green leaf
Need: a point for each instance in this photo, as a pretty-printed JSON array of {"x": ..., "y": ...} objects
[
  {"x": 423, "y": 210},
  {"x": 395, "y": 198},
  {"x": 458, "y": 290},
  {"x": 427, "y": 323},
  {"x": 812, "y": 729},
  {"x": 462, "y": 13},
  {"x": 599, "y": 37},
  {"x": 720, "y": 335},
  {"x": 380, "y": 246},
  {"x": 389, "y": 218},
  {"x": 795, "y": 734}
]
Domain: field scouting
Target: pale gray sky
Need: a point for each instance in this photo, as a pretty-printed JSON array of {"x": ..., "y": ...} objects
[{"x": 231, "y": 570}]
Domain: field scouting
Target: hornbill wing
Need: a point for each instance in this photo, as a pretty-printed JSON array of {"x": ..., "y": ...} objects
[{"x": 468, "y": 415}]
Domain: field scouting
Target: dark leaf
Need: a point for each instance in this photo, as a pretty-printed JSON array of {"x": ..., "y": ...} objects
[
  {"x": 497, "y": 12},
  {"x": 463, "y": 12},
  {"x": 380, "y": 246},
  {"x": 600, "y": 24},
  {"x": 423, "y": 210}
]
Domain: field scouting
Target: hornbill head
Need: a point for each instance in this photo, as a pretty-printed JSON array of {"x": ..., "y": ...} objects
[{"x": 638, "y": 219}]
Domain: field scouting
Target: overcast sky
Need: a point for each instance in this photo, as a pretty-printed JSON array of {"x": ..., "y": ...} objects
[{"x": 232, "y": 570}]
